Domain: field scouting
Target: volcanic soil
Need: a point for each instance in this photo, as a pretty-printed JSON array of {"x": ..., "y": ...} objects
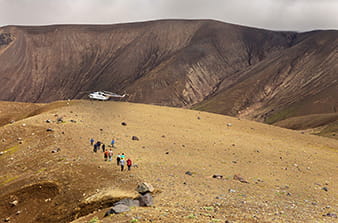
[{"x": 54, "y": 175}]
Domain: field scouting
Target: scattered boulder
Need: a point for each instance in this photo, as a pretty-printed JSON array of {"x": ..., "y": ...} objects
[
  {"x": 229, "y": 124},
  {"x": 12, "y": 121},
  {"x": 144, "y": 188},
  {"x": 166, "y": 152},
  {"x": 120, "y": 208},
  {"x": 135, "y": 138},
  {"x": 325, "y": 189},
  {"x": 56, "y": 150},
  {"x": 330, "y": 215},
  {"x": 240, "y": 179},
  {"x": 59, "y": 120},
  {"x": 49, "y": 130},
  {"x": 14, "y": 203},
  {"x": 8, "y": 219},
  {"x": 188, "y": 173},
  {"x": 48, "y": 121},
  {"x": 231, "y": 191},
  {"x": 124, "y": 124},
  {"x": 1, "y": 153},
  {"x": 23, "y": 124},
  {"x": 146, "y": 200},
  {"x": 217, "y": 176},
  {"x": 73, "y": 121}
]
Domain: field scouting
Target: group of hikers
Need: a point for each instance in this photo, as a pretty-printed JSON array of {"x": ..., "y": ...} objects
[{"x": 108, "y": 154}]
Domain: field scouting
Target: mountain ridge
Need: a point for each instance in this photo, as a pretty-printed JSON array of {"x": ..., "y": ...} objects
[{"x": 203, "y": 64}]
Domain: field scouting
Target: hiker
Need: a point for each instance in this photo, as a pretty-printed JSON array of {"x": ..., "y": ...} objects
[
  {"x": 122, "y": 156},
  {"x": 98, "y": 145},
  {"x": 129, "y": 163},
  {"x": 92, "y": 141},
  {"x": 105, "y": 155},
  {"x": 118, "y": 158},
  {"x": 95, "y": 148},
  {"x": 103, "y": 147},
  {"x": 112, "y": 143},
  {"x": 122, "y": 164},
  {"x": 110, "y": 155}
]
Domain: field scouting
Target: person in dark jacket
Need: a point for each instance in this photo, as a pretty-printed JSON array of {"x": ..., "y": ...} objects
[
  {"x": 118, "y": 158},
  {"x": 92, "y": 141},
  {"x": 103, "y": 147}
]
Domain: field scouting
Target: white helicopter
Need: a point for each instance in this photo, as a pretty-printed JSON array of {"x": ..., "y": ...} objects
[{"x": 104, "y": 95}]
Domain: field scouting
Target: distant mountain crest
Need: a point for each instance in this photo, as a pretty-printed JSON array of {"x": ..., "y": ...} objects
[{"x": 204, "y": 64}]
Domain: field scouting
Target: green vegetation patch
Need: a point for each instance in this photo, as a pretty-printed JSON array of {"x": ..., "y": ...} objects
[
  {"x": 6, "y": 180},
  {"x": 280, "y": 115},
  {"x": 94, "y": 220}
]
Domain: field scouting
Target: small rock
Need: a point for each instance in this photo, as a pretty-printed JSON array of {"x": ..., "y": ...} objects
[
  {"x": 73, "y": 121},
  {"x": 188, "y": 173},
  {"x": 8, "y": 219},
  {"x": 229, "y": 124},
  {"x": 325, "y": 188},
  {"x": 50, "y": 130},
  {"x": 59, "y": 120},
  {"x": 18, "y": 212},
  {"x": 330, "y": 215},
  {"x": 288, "y": 194},
  {"x": 23, "y": 125},
  {"x": 166, "y": 152},
  {"x": 56, "y": 150},
  {"x": 123, "y": 123},
  {"x": 12, "y": 121},
  {"x": 231, "y": 191},
  {"x": 217, "y": 176},
  {"x": 198, "y": 117},
  {"x": 144, "y": 187},
  {"x": 1, "y": 153},
  {"x": 240, "y": 179},
  {"x": 48, "y": 121},
  {"x": 14, "y": 203},
  {"x": 135, "y": 138}
]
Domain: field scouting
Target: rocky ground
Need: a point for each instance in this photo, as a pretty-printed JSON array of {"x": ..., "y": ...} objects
[{"x": 49, "y": 172}]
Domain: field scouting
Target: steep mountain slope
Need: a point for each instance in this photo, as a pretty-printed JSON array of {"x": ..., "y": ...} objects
[
  {"x": 299, "y": 81},
  {"x": 286, "y": 171},
  {"x": 213, "y": 66}
]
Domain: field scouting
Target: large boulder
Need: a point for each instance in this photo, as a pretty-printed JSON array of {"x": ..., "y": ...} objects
[
  {"x": 128, "y": 202},
  {"x": 120, "y": 208},
  {"x": 146, "y": 200},
  {"x": 144, "y": 187}
]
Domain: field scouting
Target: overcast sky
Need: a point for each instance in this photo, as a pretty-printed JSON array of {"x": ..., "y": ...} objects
[{"x": 296, "y": 15}]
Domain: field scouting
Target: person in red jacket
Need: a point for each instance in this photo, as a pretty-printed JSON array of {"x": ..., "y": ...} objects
[{"x": 129, "y": 163}]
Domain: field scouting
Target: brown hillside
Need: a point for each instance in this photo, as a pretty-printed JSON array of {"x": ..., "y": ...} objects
[
  {"x": 286, "y": 171},
  {"x": 218, "y": 67}
]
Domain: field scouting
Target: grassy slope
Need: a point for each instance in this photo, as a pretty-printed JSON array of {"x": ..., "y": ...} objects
[{"x": 275, "y": 161}]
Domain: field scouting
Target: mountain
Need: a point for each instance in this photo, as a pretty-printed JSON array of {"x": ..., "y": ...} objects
[
  {"x": 202, "y": 64},
  {"x": 49, "y": 172}
]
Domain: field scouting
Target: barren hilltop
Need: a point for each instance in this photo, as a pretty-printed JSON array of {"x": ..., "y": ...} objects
[
  {"x": 208, "y": 65},
  {"x": 49, "y": 172}
]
